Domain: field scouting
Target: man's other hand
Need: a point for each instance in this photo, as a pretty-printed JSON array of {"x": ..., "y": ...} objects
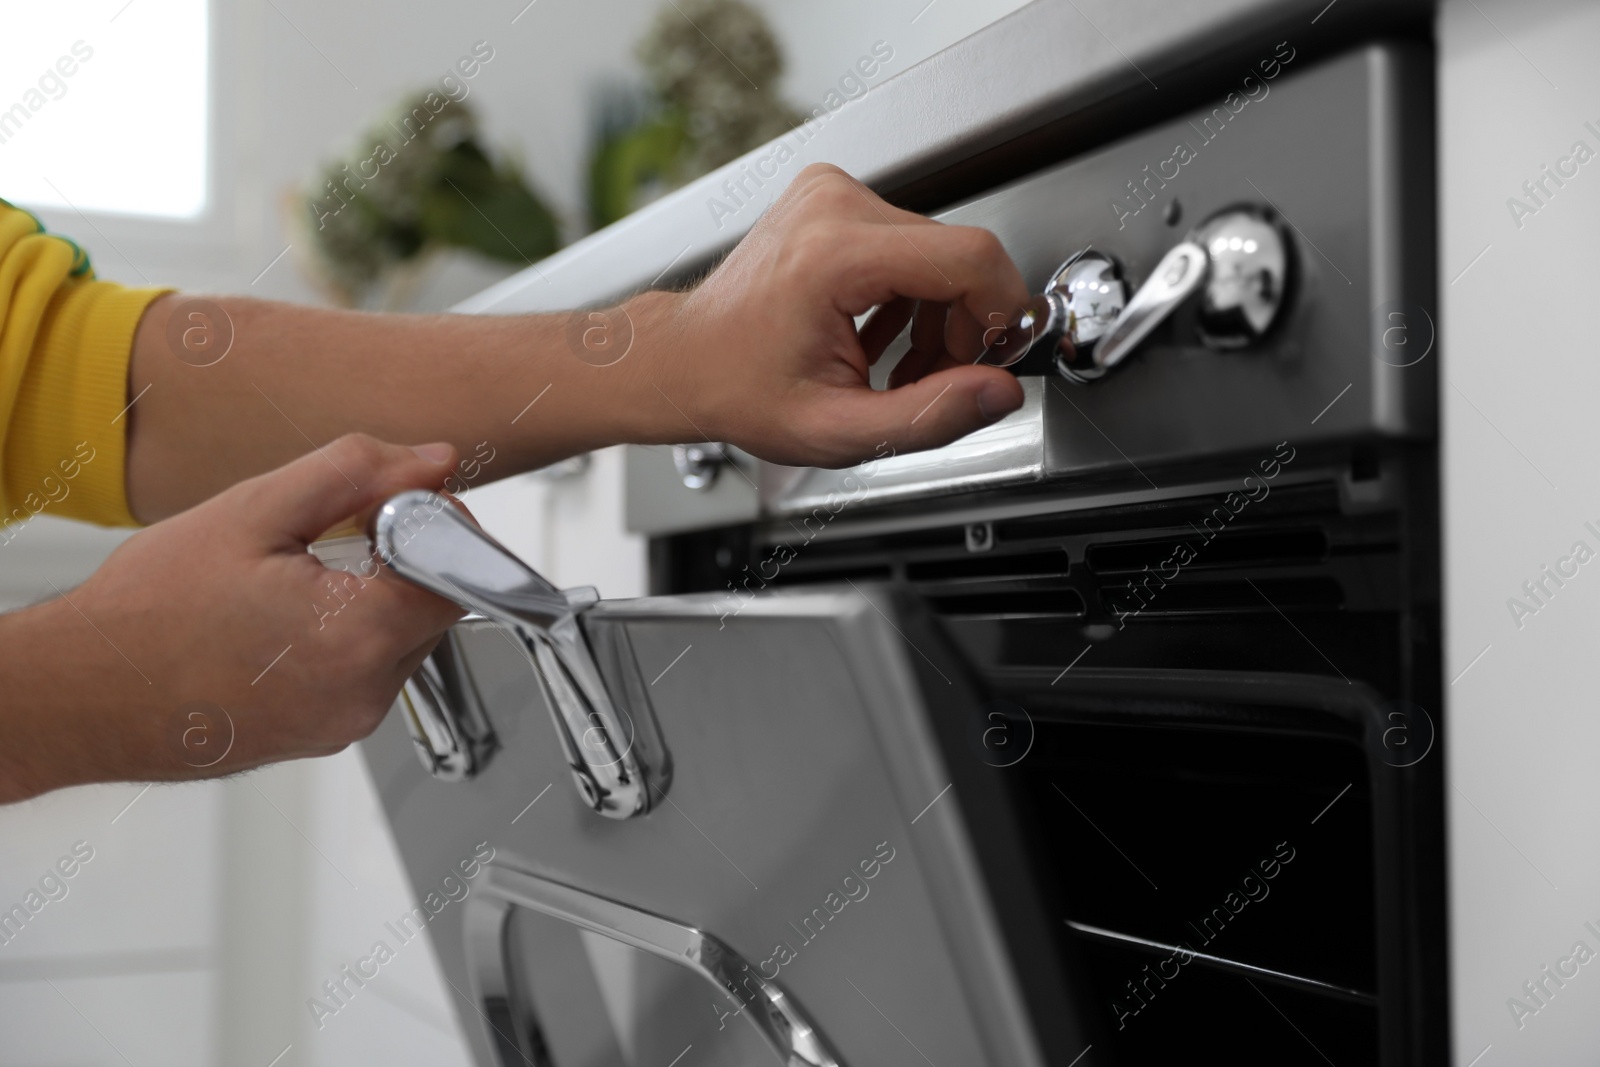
[{"x": 214, "y": 642}]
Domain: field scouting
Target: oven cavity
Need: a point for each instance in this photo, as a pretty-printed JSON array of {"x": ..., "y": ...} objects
[{"x": 1201, "y": 771}]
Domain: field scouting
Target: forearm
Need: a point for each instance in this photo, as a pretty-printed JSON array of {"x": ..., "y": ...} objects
[
  {"x": 70, "y": 716},
  {"x": 763, "y": 354},
  {"x": 295, "y": 377}
]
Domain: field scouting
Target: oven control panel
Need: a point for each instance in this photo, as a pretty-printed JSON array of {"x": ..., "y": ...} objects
[{"x": 1256, "y": 271}]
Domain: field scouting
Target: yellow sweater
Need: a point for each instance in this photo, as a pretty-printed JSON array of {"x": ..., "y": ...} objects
[{"x": 65, "y": 339}]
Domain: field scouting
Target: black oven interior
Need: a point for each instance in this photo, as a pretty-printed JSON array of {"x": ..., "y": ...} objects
[{"x": 1222, "y": 789}]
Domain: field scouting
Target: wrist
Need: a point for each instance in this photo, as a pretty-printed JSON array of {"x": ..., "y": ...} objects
[{"x": 666, "y": 400}]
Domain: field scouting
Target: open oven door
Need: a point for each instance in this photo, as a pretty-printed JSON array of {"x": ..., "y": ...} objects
[{"x": 712, "y": 829}]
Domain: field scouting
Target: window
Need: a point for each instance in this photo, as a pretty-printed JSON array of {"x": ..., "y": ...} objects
[{"x": 103, "y": 106}]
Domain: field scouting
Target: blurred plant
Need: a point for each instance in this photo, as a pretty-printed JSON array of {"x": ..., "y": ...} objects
[
  {"x": 712, "y": 66},
  {"x": 425, "y": 183},
  {"x": 641, "y": 154}
]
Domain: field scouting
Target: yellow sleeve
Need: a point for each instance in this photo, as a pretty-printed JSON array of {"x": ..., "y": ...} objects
[{"x": 65, "y": 340}]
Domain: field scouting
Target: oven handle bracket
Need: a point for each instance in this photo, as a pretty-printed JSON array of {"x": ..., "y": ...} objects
[{"x": 424, "y": 539}]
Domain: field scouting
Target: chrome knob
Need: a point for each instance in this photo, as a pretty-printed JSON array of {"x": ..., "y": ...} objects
[
  {"x": 1083, "y": 298},
  {"x": 699, "y": 465},
  {"x": 1249, "y": 271},
  {"x": 1238, "y": 259}
]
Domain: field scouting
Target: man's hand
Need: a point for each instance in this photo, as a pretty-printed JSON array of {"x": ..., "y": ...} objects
[
  {"x": 213, "y": 641},
  {"x": 765, "y": 353}
]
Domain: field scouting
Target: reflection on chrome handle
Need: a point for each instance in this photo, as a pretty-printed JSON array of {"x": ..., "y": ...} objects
[
  {"x": 445, "y": 715},
  {"x": 1180, "y": 273},
  {"x": 425, "y": 540},
  {"x": 783, "y": 1024}
]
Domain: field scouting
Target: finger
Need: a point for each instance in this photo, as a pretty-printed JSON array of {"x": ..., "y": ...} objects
[
  {"x": 927, "y": 344},
  {"x": 294, "y": 504},
  {"x": 413, "y": 659},
  {"x": 391, "y": 615},
  {"x": 927, "y": 328},
  {"x": 884, "y": 325},
  {"x": 928, "y": 413},
  {"x": 912, "y": 366},
  {"x": 419, "y": 612},
  {"x": 945, "y": 361},
  {"x": 965, "y": 334},
  {"x": 958, "y": 265}
]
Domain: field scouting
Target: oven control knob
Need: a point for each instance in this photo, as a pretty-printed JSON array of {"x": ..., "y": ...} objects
[
  {"x": 699, "y": 465},
  {"x": 1085, "y": 296},
  {"x": 1238, "y": 259},
  {"x": 1249, "y": 271}
]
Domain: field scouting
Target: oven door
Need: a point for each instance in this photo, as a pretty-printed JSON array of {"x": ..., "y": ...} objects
[{"x": 808, "y": 879}]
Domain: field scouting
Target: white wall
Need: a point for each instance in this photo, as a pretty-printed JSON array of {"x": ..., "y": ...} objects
[
  {"x": 1519, "y": 87},
  {"x": 210, "y": 912}
]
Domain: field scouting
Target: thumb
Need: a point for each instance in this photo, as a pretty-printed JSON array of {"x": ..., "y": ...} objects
[
  {"x": 932, "y": 411},
  {"x": 298, "y": 502}
]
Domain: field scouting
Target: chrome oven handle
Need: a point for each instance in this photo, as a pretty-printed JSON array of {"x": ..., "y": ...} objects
[
  {"x": 427, "y": 541},
  {"x": 445, "y": 715},
  {"x": 785, "y": 1026}
]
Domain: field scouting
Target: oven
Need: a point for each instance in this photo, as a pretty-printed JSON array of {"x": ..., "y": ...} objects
[{"x": 1106, "y": 735}]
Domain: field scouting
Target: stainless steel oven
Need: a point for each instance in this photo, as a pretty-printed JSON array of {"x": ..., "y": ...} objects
[{"x": 1101, "y": 736}]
